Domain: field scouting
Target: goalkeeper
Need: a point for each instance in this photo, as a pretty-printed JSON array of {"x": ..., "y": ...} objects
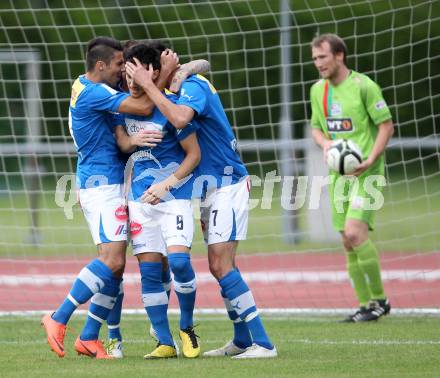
[{"x": 348, "y": 98}]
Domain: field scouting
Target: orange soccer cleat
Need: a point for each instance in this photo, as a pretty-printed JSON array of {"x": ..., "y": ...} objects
[
  {"x": 55, "y": 334},
  {"x": 92, "y": 348}
]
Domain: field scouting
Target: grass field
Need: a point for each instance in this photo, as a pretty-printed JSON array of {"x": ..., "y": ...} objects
[
  {"x": 408, "y": 222},
  {"x": 308, "y": 347}
]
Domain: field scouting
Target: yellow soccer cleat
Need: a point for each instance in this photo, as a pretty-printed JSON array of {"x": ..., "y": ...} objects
[
  {"x": 190, "y": 345},
  {"x": 162, "y": 351}
]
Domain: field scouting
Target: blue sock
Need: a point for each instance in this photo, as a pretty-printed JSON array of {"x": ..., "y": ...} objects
[
  {"x": 100, "y": 307},
  {"x": 242, "y": 337},
  {"x": 155, "y": 300},
  {"x": 184, "y": 286},
  {"x": 242, "y": 301},
  {"x": 88, "y": 282},
  {"x": 114, "y": 318},
  {"x": 166, "y": 280}
]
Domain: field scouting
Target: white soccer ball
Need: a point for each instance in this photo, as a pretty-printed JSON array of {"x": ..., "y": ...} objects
[{"x": 344, "y": 156}]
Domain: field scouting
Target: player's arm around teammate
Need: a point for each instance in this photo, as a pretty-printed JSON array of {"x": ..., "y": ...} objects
[
  {"x": 143, "y": 138},
  {"x": 225, "y": 217},
  {"x": 343, "y": 94},
  {"x": 100, "y": 179},
  {"x": 142, "y": 105},
  {"x": 171, "y": 75},
  {"x": 156, "y": 192},
  {"x": 161, "y": 212},
  {"x": 178, "y": 115},
  {"x": 174, "y": 80}
]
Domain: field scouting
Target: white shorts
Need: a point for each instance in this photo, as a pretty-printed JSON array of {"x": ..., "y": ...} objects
[
  {"x": 105, "y": 212},
  {"x": 153, "y": 228},
  {"x": 224, "y": 213}
]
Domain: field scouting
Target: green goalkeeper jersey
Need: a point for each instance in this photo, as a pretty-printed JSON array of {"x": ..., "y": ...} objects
[{"x": 352, "y": 110}]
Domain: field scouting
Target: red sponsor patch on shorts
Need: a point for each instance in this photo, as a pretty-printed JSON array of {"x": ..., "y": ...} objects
[
  {"x": 202, "y": 224},
  {"x": 121, "y": 213},
  {"x": 135, "y": 228}
]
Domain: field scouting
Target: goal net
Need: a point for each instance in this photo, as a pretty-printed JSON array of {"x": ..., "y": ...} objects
[{"x": 261, "y": 65}]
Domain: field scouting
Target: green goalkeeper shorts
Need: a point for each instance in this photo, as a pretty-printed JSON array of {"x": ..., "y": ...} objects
[{"x": 356, "y": 197}]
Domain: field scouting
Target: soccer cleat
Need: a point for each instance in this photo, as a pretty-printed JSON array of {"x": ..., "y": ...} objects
[
  {"x": 356, "y": 317},
  {"x": 190, "y": 345},
  {"x": 153, "y": 334},
  {"x": 92, "y": 348},
  {"x": 230, "y": 349},
  {"x": 376, "y": 309},
  {"x": 257, "y": 351},
  {"x": 114, "y": 348},
  {"x": 55, "y": 334},
  {"x": 162, "y": 351}
]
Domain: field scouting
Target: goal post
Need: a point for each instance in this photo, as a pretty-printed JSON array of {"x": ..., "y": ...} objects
[
  {"x": 261, "y": 66},
  {"x": 29, "y": 59}
]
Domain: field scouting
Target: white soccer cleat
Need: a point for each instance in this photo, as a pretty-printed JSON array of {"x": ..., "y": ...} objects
[
  {"x": 153, "y": 334},
  {"x": 229, "y": 349},
  {"x": 114, "y": 348},
  {"x": 257, "y": 351}
]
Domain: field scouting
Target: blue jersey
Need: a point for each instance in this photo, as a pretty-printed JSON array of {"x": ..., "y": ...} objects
[
  {"x": 153, "y": 165},
  {"x": 91, "y": 123},
  {"x": 220, "y": 159}
]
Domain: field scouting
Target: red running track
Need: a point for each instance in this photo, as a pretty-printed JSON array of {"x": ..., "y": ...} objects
[{"x": 295, "y": 280}]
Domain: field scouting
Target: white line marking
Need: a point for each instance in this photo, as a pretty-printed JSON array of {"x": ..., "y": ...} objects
[
  {"x": 268, "y": 313},
  {"x": 364, "y": 342},
  {"x": 318, "y": 276}
]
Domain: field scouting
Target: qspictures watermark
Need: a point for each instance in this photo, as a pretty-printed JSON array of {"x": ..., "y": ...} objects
[{"x": 297, "y": 192}]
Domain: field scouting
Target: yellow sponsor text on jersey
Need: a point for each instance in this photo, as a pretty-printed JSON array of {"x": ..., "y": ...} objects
[
  {"x": 77, "y": 88},
  {"x": 213, "y": 90},
  {"x": 168, "y": 92}
]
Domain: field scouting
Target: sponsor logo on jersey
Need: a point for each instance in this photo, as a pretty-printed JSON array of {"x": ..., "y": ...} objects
[
  {"x": 182, "y": 94},
  {"x": 137, "y": 246},
  {"x": 234, "y": 144},
  {"x": 135, "y": 228},
  {"x": 121, "y": 230},
  {"x": 339, "y": 125},
  {"x": 134, "y": 126},
  {"x": 121, "y": 213},
  {"x": 77, "y": 88},
  {"x": 336, "y": 109},
  {"x": 380, "y": 105}
]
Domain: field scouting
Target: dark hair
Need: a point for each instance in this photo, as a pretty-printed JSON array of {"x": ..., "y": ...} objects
[
  {"x": 130, "y": 43},
  {"x": 157, "y": 44},
  {"x": 337, "y": 44},
  {"x": 145, "y": 54},
  {"x": 101, "y": 48},
  {"x": 154, "y": 43}
]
